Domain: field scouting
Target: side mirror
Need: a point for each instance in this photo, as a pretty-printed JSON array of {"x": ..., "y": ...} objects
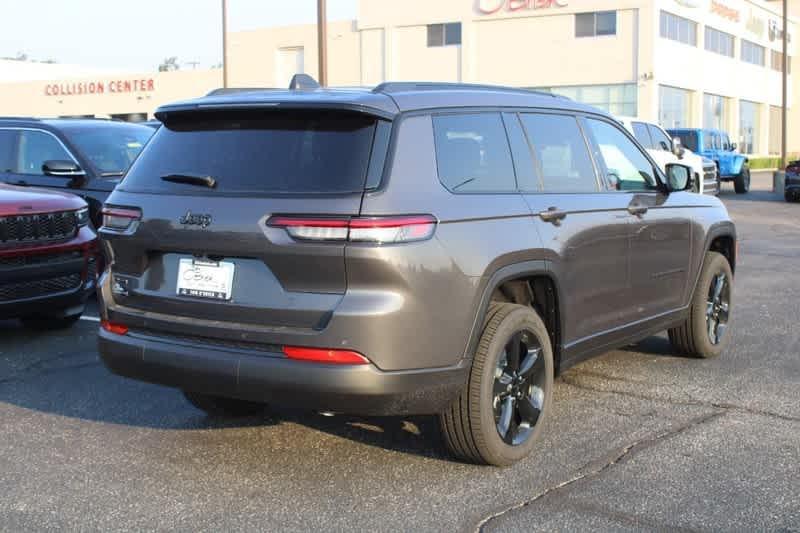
[
  {"x": 62, "y": 169},
  {"x": 733, "y": 146},
  {"x": 677, "y": 147},
  {"x": 679, "y": 177}
]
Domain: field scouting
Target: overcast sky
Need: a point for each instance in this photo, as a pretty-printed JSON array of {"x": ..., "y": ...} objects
[{"x": 139, "y": 34}]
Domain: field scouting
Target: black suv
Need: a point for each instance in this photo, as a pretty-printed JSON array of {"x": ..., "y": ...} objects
[
  {"x": 415, "y": 248},
  {"x": 85, "y": 156}
]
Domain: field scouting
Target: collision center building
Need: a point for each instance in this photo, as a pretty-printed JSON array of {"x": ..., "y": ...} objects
[{"x": 689, "y": 63}]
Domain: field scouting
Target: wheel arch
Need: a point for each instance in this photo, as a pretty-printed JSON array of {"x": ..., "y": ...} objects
[{"x": 527, "y": 283}]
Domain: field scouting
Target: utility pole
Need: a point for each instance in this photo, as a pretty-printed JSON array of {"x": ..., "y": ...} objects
[
  {"x": 322, "y": 41},
  {"x": 225, "y": 43},
  {"x": 784, "y": 68}
]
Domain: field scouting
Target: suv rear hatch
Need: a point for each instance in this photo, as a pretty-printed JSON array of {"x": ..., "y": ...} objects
[{"x": 203, "y": 191}]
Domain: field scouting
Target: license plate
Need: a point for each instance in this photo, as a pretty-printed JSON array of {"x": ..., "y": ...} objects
[{"x": 205, "y": 279}]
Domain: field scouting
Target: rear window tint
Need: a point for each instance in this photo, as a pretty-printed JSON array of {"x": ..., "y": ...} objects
[
  {"x": 472, "y": 153},
  {"x": 249, "y": 153}
]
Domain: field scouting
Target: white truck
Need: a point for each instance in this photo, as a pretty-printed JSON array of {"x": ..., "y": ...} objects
[{"x": 665, "y": 150}]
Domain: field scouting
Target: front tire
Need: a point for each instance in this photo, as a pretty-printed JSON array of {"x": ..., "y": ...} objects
[
  {"x": 500, "y": 414},
  {"x": 741, "y": 183},
  {"x": 704, "y": 333},
  {"x": 217, "y": 406}
]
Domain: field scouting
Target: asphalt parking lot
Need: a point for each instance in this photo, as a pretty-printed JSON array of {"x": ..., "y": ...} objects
[{"x": 639, "y": 439}]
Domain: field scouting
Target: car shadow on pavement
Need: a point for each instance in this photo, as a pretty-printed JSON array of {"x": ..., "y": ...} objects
[{"x": 752, "y": 196}]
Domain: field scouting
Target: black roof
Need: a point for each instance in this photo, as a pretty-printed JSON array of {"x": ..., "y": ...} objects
[{"x": 386, "y": 100}]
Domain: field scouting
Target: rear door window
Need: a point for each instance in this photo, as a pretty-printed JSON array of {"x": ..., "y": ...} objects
[
  {"x": 473, "y": 154},
  {"x": 8, "y": 143},
  {"x": 642, "y": 135},
  {"x": 251, "y": 153},
  {"x": 562, "y": 156}
]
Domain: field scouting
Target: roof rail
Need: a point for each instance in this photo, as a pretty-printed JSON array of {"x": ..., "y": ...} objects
[
  {"x": 234, "y": 90},
  {"x": 403, "y": 86},
  {"x": 20, "y": 118}
]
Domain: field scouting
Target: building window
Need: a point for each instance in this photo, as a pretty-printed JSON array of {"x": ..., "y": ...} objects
[
  {"x": 444, "y": 34},
  {"x": 615, "y": 99},
  {"x": 777, "y": 59},
  {"x": 748, "y": 126},
  {"x": 678, "y": 29},
  {"x": 719, "y": 42},
  {"x": 674, "y": 107},
  {"x": 753, "y": 53},
  {"x": 595, "y": 24},
  {"x": 715, "y": 111}
]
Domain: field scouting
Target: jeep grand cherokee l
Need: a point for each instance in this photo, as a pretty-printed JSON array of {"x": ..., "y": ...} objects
[
  {"x": 47, "y": 249},
  {"x": 415, "y": 248}
]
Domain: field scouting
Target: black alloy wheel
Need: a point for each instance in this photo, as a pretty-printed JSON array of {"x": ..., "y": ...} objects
[
  {"x": 519, "y": 384},
  {"x": 718, "y": 308}
]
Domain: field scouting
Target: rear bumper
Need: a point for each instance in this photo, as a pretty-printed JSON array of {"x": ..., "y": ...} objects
[{"x": 272, "y": 378}]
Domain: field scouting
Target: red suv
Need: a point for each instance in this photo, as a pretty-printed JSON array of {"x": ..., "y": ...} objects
[{"x": 47, "y": 256}]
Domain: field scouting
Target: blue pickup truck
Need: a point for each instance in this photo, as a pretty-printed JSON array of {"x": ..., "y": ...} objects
[{"x": 715, "y": 145}]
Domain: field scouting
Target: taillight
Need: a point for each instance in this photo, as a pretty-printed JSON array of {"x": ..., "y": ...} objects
[
  {"x": 322, "y": 355},
  {"x": 113, "y": 327},
  {"x": 357, "y": 229},
  {"x": 119, "y": 218}
]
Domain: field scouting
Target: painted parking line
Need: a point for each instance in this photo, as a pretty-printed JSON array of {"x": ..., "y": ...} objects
[{"x": 91, "y": 318}]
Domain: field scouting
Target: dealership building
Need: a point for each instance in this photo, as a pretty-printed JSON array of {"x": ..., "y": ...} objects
[{"x": 696, "y": 63}]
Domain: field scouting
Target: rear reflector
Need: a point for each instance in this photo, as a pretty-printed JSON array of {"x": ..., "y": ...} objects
[
  {"x": 321, "y": 355},
  {"x": 111, "y": 327},
  {"x": 119, "y": 219},
  {"x": 373, "y": 229}
]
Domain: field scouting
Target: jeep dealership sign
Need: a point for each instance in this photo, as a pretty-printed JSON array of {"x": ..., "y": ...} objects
[{"x": 490, "y": 7}]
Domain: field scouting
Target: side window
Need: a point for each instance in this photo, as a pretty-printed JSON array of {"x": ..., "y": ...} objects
[
  {"x": 717, "y": 141},
  {"x": 660, "y": 139},
  {"x": 562, "y": 156},
  {"x": 472, "y": 153},
  {"x": 708, "y": 142},
  {"x": 36, "y": 147},
  {"x": 640, "y": 132},
  {"x": 8, "y": 142},
  {"x": 628, "y": 169},
  {"x": 726, "y": 143}
]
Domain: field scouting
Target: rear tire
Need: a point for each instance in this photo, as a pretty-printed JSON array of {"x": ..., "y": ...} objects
[
  {"x": 217, "y": 406},
  {"x": 790, "y": 197},
  {"x": 741, "y": 183},
  {"x": 45, "y": 323},
  {"x": 694, "y": 336},
  {"x": 501, "y": 382}
]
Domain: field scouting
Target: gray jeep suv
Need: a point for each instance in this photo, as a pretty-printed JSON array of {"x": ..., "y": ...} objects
[{"x": 411, "y": 249}]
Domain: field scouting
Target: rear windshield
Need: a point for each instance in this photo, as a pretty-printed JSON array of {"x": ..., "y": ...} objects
[
  {"x": 688, "y": 139},
  {"x": 266, "y": 153}
]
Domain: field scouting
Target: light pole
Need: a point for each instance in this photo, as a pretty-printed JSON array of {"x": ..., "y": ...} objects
[
  {"x": 784, "y": 68},
  {"x": 322, "y": 41},
  {"x": 225, "y": 43}
]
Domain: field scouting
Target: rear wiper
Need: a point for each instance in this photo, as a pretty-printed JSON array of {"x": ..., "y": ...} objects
[{"x": 206, "y": 181}]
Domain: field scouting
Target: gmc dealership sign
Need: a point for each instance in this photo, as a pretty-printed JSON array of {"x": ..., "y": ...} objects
[{"x": 490, "y": 7}]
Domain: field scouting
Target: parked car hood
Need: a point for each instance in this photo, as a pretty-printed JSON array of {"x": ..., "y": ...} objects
[{"x": 27, "y": 200}]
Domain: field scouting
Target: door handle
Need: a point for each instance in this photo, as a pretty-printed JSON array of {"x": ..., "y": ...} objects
[
  {"x": 637, "y": 210},
  {"x": 553, "y": 215}
]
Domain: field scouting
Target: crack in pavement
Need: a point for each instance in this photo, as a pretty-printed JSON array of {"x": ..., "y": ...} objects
[
  {"x": 688, "y": 402},
  {"x": 589, "y": 471}
]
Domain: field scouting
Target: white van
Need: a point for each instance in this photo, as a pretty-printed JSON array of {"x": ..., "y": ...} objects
[{"x": 665, "y": 150}]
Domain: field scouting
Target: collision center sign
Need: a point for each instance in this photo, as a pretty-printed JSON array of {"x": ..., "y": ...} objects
[
  {"x": 100, "y": 87},
  {"x": 490, "y": 7}
]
